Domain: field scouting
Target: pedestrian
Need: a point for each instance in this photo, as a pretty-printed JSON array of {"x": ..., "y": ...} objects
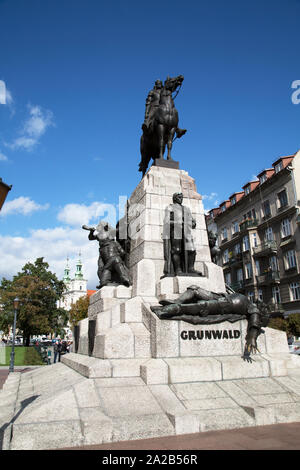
[
  {"x": 49, "y": 354},
  {"x": 56, "y": 351}
]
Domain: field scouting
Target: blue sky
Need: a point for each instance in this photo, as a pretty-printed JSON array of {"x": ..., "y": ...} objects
[{"x": 77, "y": 74}]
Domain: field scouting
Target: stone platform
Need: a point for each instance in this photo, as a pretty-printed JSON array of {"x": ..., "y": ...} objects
[
  {"x": 56, "y": 406},
  {"x": 134, "y": 376}
]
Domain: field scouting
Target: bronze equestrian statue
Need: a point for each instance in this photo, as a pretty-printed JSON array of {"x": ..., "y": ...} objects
[{"x": 161, "y": 122}]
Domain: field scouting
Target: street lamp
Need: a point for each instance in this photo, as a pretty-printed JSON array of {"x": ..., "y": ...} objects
[{"x": 12, "y": 355}]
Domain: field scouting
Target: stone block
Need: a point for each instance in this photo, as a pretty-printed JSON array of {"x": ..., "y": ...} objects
[
  {"x": 198, "y": 391},
  {"x": 116, "y": 315},
  {"x": 210, "y": 340},
  {"x": 194, "y": 369},
  {"x": 47, "y": 435},
  {"x": 131, "y": 311},
  {"x": 165, "y": 286},
  {"x": 230, "y": 418},
  {"x": 122, "y": 292},
  {"x": 119, "y": 382},
  {"x": 141, "y": 340},
  {"x": 164, "y": 337},
  {"x": 214, "y": 282},
  {"x": 86, "y": 394},
  {"x": 236, "y": 367},
  {"x": 276, "y": 341},
  {"x": 185, "y": 422},
  {"x": 115, "y": 343},
  {"x": 154, "y": 371},
  {"x": 87, "y": 366},
  {"x": 167, "y": 399},
  {"x": 126, "y": 367},
  {"x": 144, "y": 282},
  {"x": 103, "y": 321},
  {"x": 134, "y": 427},
  {"x": 83, "y": 344},
  {"x": 136, "y": 401},
  {"x": 278, "y": 364},
  {"x": 96, "y": 427}
]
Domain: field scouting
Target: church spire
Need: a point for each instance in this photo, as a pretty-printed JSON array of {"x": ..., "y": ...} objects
[
  {"x": 78, "y": 273},
  {"x": 66, "y": 277}
]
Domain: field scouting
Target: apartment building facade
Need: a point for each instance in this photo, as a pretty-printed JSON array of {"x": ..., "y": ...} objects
[{"x": 259, "y": 236}]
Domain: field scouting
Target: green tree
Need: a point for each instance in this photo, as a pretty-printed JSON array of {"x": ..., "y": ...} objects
[
  {"x": 293, "y": 324},
  {"x": 79, "y": 310},
  {"x": 38, "y": 290},
  {"x": 278, "y": 324}
]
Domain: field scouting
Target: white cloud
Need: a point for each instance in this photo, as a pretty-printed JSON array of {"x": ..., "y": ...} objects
[
  {"x": 3, "y": 158},
  {"x": 33, "y": 129},
  {"x": 79, "y": 214},
  {"x": 22, "y": 205},
  {"x": 210, "y": 201},
  {"x": 54, "y": 245}
]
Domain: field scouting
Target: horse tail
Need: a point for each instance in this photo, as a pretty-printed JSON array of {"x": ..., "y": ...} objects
[{"x": 145, "y": 158}]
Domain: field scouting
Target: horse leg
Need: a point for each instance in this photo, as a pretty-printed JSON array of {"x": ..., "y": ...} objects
[
  {"x": 170, "y": 142},
  {"x": 161, "y": 143}
]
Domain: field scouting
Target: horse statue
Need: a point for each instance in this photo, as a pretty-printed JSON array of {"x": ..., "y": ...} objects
[{"x": 161, "y": 122}]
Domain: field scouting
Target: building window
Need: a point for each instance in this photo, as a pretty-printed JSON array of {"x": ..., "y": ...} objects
[
  {"x": 224, "y": 234},
  {"x": 257, "y": 267},
  {"x": 247, "y": 190},
  {"x": 239, "y": 275},
  {"x": 248, "y": 270},
  {"x": 278, "y": 167},
  {"x": 266, "y": 209},
  {"x": 260, "y": 295},
  {"x": 263, "y": 178},
  {"x": 282, "y": 199},
  {"x": 237, "y": 249},
  {"x": 276, "y": 295},
  {"x": 80, "y": 287},
  {"x": 273, "y": 263},
  {"x": 290, "y": 259},
  {"x": 223, "y": 208},
  {"x": 285, "y": 228},
  {"x": 225, "y": 257},
  {"x": 233, "y": 200},
  {"x": 295, "y": 291},
  {"x": 250, "y": 215},
  {"x": 246, "y": 245},
  {"x": 254, "y": 240},
  {"x": 235, "y": 227},
  {"x": 269, "y": 237},
  {"x": 250, "y": 296},
  {"x": 228, "y": 279}
]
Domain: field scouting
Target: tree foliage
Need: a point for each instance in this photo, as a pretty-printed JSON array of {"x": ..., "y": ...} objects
[
  {"x": 79, "y": 310},
  {"x": 38, "y": 291},
  {"x": 290, "y": 324},
  {"x": 293, "y": 324}
]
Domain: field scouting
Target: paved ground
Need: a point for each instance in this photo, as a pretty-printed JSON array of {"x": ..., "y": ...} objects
[{"x": 273, "y": 437}]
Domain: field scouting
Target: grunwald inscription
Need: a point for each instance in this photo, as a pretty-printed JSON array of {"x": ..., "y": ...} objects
[{"x": 210, "y": 334}]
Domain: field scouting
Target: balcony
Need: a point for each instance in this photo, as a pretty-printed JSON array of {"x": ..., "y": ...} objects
[
  {"x": 276, "y": 309},
  {"x": 265, "y": 248},
  {"x": 271, "y": 277},
  {"x": 237, "y": 286},
  {"x": 248, "y": 224},
  {"x": 235, "y": 259}
]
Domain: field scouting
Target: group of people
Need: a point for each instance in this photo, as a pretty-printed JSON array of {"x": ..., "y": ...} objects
[{"x": 60, "y": 348}]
